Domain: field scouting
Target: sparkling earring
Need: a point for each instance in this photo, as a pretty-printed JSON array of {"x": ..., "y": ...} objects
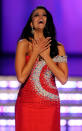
[{"x": 32, "y": 30}]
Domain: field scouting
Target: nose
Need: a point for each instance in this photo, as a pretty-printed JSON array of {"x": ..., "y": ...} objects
[{"x": 41, "y": 16}]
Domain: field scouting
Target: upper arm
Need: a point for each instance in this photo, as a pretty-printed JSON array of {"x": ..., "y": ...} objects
[
  {"x": 62, "y": 65},
  {"x": 61, "y": 50},
  {"x": 20, "y": 58}
]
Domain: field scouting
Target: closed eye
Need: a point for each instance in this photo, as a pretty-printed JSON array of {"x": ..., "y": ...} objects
[
  {"x": 36, "y": 15},
  {"x": 39, "y": 15},
  {"x": 44, "y": 15}
]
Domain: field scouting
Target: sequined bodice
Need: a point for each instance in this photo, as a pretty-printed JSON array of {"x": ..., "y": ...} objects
[{"x": 40, "y": 85}]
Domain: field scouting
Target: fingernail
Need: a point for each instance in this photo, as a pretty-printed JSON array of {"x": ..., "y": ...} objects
[{"x": 49, "y": 37}]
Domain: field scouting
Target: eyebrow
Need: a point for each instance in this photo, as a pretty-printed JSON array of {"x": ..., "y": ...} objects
[{"x": 38, "y": 12}]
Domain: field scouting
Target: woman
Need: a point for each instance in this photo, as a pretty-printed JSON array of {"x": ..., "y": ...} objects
[{"x": 39, "y": 59}]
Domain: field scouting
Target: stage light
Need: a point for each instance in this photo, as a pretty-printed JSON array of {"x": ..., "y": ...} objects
[
  {"x": 9, "y": 122},
  {"x": 63, "y": 96},
  {"x": 3, "y": 96},
  {"x": 71, "y": 109},
  {"x": 70, "y": 96},
  {"x": 16, "y": 84},
  {"x": 69, "y": 84},
  {"x": 13, "y": 84},
  {"x": 7, "y": 109},
  {"x": 79, "y": 84},
  {"x": 8, "y": 96},
  {"x": 3, "y": 84},
  {"x": 62, "y": 122},
  {"x": 73, "y": 122},
  {"x": 63, "y": 109}
]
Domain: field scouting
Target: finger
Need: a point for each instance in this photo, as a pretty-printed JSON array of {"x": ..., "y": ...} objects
[
  {"x": 45, "y": 48},
  {"x": 35, "y": 42},
  {"x": 46, "y": 40},
  {"x": 49, "y": 42},
  {"x": 46, "y": 43},
  {"x": 49, "y": 39},
  {"x": 41, "y": 39}
]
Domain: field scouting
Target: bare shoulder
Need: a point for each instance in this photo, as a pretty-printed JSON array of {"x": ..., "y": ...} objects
[
  {"x": 61, "y": 49},
  {"x": 23, "y": 45},
  {"x": 23, "y": 42}
]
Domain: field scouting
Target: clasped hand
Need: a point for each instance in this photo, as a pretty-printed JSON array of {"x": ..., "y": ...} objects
[{"x": 42, "y": 47}]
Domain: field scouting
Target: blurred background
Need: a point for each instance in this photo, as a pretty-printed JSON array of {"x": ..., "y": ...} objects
[{"x": 67, "y": 17}]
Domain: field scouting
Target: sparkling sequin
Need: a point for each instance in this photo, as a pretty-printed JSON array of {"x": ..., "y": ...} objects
[
  {"x": 60, "y": 58},
  {"x": 40, "y": 86},
  {"x": 37, "y": 85},
  {"x": 48, "y": 74}
]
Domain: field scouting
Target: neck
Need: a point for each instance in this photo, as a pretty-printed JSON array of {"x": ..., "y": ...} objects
[{"x": 38, "y": 34}]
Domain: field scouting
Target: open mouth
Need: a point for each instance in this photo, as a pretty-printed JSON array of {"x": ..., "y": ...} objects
[{"x": 40, "y": 22}]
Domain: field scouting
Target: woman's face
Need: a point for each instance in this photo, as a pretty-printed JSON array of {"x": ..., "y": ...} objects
[{"x": 39, "y": 19}]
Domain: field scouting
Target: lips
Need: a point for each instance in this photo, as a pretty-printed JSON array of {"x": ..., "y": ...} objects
[{"x": 41, "y": 22}]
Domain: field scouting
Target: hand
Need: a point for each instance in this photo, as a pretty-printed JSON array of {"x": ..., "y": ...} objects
[
  {"x": 45, "y": 53},
  {"x": 40, "y": 45}
]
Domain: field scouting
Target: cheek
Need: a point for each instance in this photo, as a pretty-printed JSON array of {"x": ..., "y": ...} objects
[
  {"x": 34, "y": 23},
  {"x": 35, "y": 20},
  {"x": 45, "y": 19}
]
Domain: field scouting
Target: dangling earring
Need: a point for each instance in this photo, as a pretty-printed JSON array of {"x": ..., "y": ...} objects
[{"x": 32, "y": 30}]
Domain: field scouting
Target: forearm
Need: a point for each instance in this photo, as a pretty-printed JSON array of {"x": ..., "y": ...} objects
[
  {"x": 27, "y": 68},
  {"x": 59, "y": 74}
]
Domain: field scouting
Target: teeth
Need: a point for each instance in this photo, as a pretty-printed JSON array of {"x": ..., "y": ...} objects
[{"x": 40, "y": 21}]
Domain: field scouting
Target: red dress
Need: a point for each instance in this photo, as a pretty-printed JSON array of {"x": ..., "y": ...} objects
[{"x": 37, "y": 106}]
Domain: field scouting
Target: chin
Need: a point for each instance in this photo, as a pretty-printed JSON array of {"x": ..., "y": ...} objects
[{"x": 41, "y": 28}]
